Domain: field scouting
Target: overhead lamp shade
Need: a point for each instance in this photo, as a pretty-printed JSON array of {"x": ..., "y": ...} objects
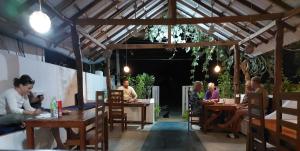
[
  {"x": 126, "y": 69},
  {"x": 217, "y": 69},
  {"x": 40, "y": 22}
]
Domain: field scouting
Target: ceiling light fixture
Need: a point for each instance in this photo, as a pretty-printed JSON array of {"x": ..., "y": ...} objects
[
  {"x": 217, "y": 68},
  {"x": 126, "y": 67},
  {"x": 40, "y": 21}
]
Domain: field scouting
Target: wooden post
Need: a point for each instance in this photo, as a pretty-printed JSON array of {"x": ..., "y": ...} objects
[
  {"x": 107, "y": 71},
  {"x": 236, "y": 76},
  {"x": 79, "y": 66},
  {"x": 172, "y": 16},
  {"x": 278, "y": 63},
  {"x": 118, "y": 67}
]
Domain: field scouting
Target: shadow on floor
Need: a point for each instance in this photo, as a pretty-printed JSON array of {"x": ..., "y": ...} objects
[{"x": 173, "y": 136}]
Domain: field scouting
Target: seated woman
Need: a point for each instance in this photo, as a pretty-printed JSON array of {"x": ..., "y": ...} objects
[
  {"x": 212, "y": 92},
  {"x": 15, "y": 107},
  {"x": 14, "y": 104}
]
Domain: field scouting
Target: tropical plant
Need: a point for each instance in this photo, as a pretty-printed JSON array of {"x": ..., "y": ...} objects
[
  {"x": 225, "y": 85},
  {"x": 142, "y": 84}
]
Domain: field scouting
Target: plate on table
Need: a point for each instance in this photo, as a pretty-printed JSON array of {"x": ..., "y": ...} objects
[{"x": 65, "y": 112}]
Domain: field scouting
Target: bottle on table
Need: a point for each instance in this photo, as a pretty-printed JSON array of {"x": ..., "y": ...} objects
[{"x": 53, "y": 108}]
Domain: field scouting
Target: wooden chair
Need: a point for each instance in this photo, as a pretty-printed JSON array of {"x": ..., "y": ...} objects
[
  {"x": 116, "y": 109},
  {"x": 285, "y": 141},
  {"x": 256, "y": 133},
  {"x": 97, "y": 133},
  {"x": 193, "y": 118}
]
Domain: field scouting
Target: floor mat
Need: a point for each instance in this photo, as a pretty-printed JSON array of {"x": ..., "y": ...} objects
[{"x": 173, "y": 136}]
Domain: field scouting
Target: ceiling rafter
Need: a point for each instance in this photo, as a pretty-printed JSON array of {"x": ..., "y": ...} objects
[
  {"x": 95, "y": 56},
  {"x": 216, "y": 30},
  {"x": 63, "y": 5},
  {"x": 61, "y": 35},
  {"x": 282, "y": 4},
  {"x": 127, "y": 16},
  {"x": 125, "y": 27},
  {"x": 203, "y": 14},
  {"x": 247, "y": 30},
  {"x": 257, "y": 24},
  {"x": 91, "y": 32},
  {"x": 259, "y": 10}
]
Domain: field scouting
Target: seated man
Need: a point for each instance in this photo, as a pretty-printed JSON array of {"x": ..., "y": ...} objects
[
  {"x": 196, "y": 102},
  {"x": 195, "y": 98},
  {"x": 242, "y": 110},
  {"x": 35, "y": 101},
  {"x": 128, "y": 91}
]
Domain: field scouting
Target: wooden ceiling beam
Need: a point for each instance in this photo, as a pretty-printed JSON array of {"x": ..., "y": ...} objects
[
  {"x": 127, "y": 16},
  {"x": 64, "y": 4},
  {"x": 225, "y": 19},
  {"x": 257, "y": 24},
  {"x": 61, "y": 27},
  {"x": 243, "y": 28},
  {"x": 259, "y": 10},
  {"x": 126, "y": 35},
  {"x": 204, "y": 15},
  {"x": 282, "y": 4},
  {"x": 216, "y": 30},
  {"x": 165, "y": 46},
  {"x": 112, "y": 15},
  {"x": 286, "y": 16}
]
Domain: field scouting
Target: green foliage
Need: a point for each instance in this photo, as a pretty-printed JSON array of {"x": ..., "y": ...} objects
[
  {"x": 157, "y": 111},
  {"x": 142, "y": 84},
  {"x": 183, "y": 34},
  {"x": 225, "y": 85},
  {"x": 185, "y": 115}
]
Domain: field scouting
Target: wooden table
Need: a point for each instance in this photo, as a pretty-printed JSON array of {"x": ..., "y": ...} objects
[
  {"x": 143, "y": 107},
  {"x": 217, "y": 108},
  {"x": 76, "y": 119}
]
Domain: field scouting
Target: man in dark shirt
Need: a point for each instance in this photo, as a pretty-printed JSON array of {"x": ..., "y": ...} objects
[{"x": 35, "y": 101}]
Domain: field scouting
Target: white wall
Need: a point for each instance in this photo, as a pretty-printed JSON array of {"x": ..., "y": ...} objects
[{"x": 51, "y": 80}]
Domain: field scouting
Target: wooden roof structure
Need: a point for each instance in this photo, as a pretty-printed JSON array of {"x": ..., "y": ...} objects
[{"x": 104, "y": 22}]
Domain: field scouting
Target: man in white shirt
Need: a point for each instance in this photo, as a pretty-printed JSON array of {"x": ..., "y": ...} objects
[{"x": 128, "y": 91}]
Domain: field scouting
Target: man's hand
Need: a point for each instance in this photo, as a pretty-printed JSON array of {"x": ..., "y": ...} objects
[{"x": 37, "y": 112}]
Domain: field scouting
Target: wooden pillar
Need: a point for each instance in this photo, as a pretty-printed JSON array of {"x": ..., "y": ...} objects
[
  {"x": 236, "y": 76},
  {"x": 118, "y": 67},
  {"x": 172, "y": 16},
  {"x": 107, "y": 71},
  {"x": 79, "y": 66},
  {"x": 278, "y": 63}
]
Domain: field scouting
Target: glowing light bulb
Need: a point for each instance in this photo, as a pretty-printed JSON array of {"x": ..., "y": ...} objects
[
  {"x": 126, "y": 69},
  {"x": 40, "y": 22},
  {"x": 217, "y": 68}
]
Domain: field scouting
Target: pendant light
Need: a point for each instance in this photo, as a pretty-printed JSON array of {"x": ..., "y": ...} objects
[
  {"x": 217, "y": 68},
  {"x": 126, "y": 67},
  {"x": 39, "y": 21}
]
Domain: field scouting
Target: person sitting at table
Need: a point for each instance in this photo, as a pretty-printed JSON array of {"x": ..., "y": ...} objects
[
  {"x": 15, "y": 107},
  {"x": 196, "y": 102},
  {"x": 212, "y": 93},
  {"x": 195, "y": 98},
  {"x": 35, "y": 101},
  {"x": 128, "y": 91},
  {"x": 14, "y": 104},
  {"x": 242, "y": 110}
]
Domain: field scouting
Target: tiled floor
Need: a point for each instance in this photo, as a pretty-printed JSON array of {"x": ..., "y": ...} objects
[{"x": 165, "y": 136}]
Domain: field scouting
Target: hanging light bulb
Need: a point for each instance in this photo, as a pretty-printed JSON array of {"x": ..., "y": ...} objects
[
  {"x": 217, "y": 69},
  {"x": 126, "y": 69},
  {"x": 40, "y": 21}
]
